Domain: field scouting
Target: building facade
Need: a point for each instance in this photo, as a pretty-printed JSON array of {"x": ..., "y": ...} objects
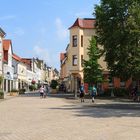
[
  {"x": 7, "y": 65},
  {"x": 72, "y": 59},
  {"x": 2, "y": 35},
  {"x": 71, "y": 65}
]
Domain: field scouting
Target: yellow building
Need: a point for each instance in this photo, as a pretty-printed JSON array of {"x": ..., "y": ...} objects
[{"x": 80, "y": 33}]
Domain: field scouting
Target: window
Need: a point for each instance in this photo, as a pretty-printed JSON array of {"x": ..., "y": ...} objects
[
  {"x": 81, "y": 40},
  {"x": 82, "y": 60},
  {"x": 74, "y": 60},
  {"x": 74, "y": 40}
]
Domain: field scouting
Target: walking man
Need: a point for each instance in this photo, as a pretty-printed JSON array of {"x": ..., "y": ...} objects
[{"x": 82, "y": 92}]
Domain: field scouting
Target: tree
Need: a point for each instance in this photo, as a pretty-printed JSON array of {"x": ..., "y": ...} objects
[
  {"x": 92, "y": 70},
  {"x": 54, "y": 84},
  {"x": 118, "y": 31},
  {"x": 133, "y": 25}
]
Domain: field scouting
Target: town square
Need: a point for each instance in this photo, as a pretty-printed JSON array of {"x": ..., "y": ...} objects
[
  {"x": 70, "y": 70},
  {"x": 62, "y": 118}
]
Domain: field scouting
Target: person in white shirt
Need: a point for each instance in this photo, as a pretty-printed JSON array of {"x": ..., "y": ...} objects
[{"x": 42, "y": 90}]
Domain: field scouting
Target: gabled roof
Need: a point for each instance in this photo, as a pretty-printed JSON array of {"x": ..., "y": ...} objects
[
  {"x": 27, "y": 61},
  {"x": 86, "y": 23},
  {"x": 6, "y": 44},
  {"x": 16, "y": 57}
]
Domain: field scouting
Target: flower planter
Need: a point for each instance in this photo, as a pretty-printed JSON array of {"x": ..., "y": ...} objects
[
  {"x": 14, "y": 93},
  {"x": 53, "y": 91},
  {"x": 1, "y": 95}
]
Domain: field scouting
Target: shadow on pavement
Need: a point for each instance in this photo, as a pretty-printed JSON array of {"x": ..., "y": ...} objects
[
  {"x": 104, "y": 110},
  {"x": 116, "y": 108}
]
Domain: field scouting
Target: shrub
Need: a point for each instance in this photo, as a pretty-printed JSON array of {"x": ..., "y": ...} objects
[
  {"x": 1, "y": 79},
  {"x": 1, "y": 93},
  {"x": 54, "y": 84},
  {"x": 106, "y": 93},
  {"x": 121, "y": 92},
  {"x": 22, "y": 91},
  {"x": 14, "y": 90},
  {"x": 32, "y": 87}
]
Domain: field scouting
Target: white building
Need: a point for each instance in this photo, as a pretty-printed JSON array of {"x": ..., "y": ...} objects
[
  {"x": 7, "y": 66},
  {"x": 2, "y": 35}
]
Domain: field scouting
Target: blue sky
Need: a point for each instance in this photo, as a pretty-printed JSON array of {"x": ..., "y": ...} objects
[{"x": 39, "y": 28}]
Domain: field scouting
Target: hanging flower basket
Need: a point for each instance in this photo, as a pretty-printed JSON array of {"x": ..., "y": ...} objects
[{"x": 33, "y": 82}]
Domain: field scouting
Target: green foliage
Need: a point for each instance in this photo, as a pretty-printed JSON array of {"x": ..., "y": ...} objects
[
  {"x": 118, "y": 92},
  {"x": 54, "y": 84},
  {"x": 22, "y": 91},
  {"x": 118, "y": 31},
  {"x": 32, "y": 87},
  {"x": 1, "y": 93},
  {"x": 14, "y": 90},
  {"x": 92, "y": 70},
  {"x": 1, "y": 79}
]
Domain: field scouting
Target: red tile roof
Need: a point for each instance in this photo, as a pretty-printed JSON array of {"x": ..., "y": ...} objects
[
  {"x": 86, "y": 23},
  {"x": 16, "y": 57},
  {"x": 27, "y": 61},
  {"x": 6, "y": 44}
]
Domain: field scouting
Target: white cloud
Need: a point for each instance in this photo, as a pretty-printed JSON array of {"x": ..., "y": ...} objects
[
  {"x": 49, "y": 56},
  {"x": 61, "y": 31},
  {"x": 8, "y": 17}
]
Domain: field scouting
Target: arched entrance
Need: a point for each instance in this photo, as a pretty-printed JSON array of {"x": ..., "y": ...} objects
[{"x": 76, "y": 82}]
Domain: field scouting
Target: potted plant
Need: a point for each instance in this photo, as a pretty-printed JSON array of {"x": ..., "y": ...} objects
[
  {"x": 53, "y": 86},
  {"x": 1, "y": 94},
  {"x": 22, "y": 91},
  {"x": 14, "y": 92},
  {"x": 1, "y": 79}
]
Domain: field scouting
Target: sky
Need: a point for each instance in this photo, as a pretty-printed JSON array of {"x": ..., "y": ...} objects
[{"x": 39, "y": 28}]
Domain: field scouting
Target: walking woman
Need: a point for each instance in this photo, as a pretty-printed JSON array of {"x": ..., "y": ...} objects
[
  {"x": 41, "y": 90},
  {"x": 93, "y": 93}
]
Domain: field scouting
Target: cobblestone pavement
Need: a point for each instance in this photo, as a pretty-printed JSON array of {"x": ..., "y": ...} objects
[{"x": 53, "y": 118}]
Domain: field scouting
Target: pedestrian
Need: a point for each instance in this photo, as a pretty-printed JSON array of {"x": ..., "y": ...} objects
[
  {"x": 82, "y": 92},
  {"x": 42, "y": 90},
  {"x": 93, "y": 93}
]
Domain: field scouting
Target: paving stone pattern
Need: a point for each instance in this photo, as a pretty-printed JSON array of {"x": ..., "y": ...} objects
[{"x": 32, "y": 118}]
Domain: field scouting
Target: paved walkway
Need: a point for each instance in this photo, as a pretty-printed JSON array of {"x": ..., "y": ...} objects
[{"x": 53, "y": 118}]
